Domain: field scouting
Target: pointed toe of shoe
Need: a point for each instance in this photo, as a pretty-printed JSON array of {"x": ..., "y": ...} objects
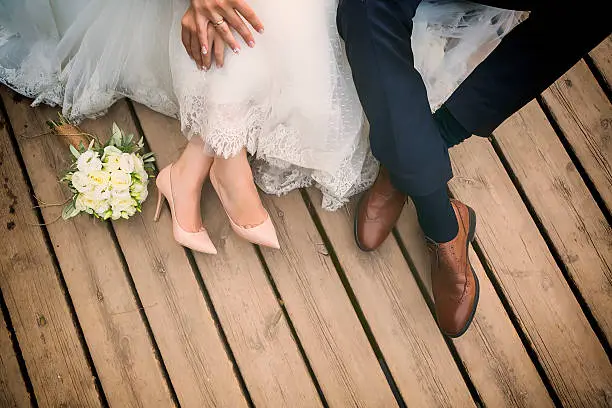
[
  {"x": 198, "y": 241},
  {"x": 264, "y": 234}
]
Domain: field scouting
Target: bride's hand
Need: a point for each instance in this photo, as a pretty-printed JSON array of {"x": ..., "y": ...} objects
[
  {"x": 224, "y": 15},
  {"x": 202, "y": 45}
]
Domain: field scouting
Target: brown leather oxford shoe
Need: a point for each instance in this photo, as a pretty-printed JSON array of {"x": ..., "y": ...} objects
[
  {"x": 377, "y": 212},
  {"x": 454, "y": 282}
]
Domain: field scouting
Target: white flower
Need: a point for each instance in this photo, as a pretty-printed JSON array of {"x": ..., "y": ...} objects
[
  {"x": 126, "y": 162},
  {"x": 100, "y": 193},
  {"x": 99, "y": 179},
  {"x": 110, "y": 151},
  {"x": 101, "y": 207},
  {"x": 88, "y": 161},
  {"x": 120, "y": 194},
  {"x": 139, "y": 191},
  {"x": 140, "y": 170},
  {"x": 80, "y": 182},
  {"x": 87, "y": 203},
  {"x": 122, "y": 207},
  {"x": 111, "y": 158},
  {"x": 112, "y": 163},
  {"x": 120, "y": 180}
]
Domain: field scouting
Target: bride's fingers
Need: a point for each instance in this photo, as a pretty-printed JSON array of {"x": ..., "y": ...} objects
[
  {"x": 223, "y": 29},
  {"x": 210, "y": 33},
  {"x": 202, "y": 27},
  {"x": 235, "y": 21},
  {"x": 249, "y": 15},
  {"x": 196, "y": 51},
  {"x": 219, "y": 51}
]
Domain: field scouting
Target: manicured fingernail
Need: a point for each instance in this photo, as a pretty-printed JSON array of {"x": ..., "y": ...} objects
[
  {"x": 261, "y": 30},
  {"x": 251, "y": 43},
  {"x": 236, "y": 50},
  {"x": 204, "y": 50}
]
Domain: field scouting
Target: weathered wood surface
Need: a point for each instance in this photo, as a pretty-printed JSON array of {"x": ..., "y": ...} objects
[
  {"x": 491, "y": 350},
  {"x": 47, "y": 336},
  {"x": 529, "y": 278},
  {"x": 13, "y": 392},
  {"x": 333, "y": 339},
  {"x": 563, "y": 204},
  {"x": 92, "y": 267},
  {"x": 602, "y": 58},
  {"x": 258, "y": 334},
  {"x": 193, "y": 353},
  {"x": 401, "y": 322},
  {"x": 584, "y": 115}
]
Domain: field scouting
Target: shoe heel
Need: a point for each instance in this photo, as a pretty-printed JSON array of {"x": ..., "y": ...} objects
[{"x": 160, "y": 201}]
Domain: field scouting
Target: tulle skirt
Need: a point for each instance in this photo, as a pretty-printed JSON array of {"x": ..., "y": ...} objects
[{"x": 290, "y": 101}]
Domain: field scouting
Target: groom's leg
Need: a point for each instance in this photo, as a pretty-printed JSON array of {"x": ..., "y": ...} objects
[
  {"x": 528, "y": 60},
  {"x": 405, "y": 138},
  {"x": 403, "y": 134}
]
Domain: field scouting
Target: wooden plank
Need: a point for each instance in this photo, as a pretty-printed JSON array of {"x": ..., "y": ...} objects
[
  {"x": 517, "y": 255},
  {"x": 401, "y": 322},
  {"x": 564, "y": 205},
  {"x": 491, "y": 350},
  {"x": 189, "y": 343},
  {"x": 251, "y": 317},
  {"x": 35, "y": 300},
  {"x": 94, "y": 273},
  {"x": 584, "y": 114},
  {"x": 602, "y": 58},
  {"x": 13, "y": 392},
  {"x": 330, "y": 332}
]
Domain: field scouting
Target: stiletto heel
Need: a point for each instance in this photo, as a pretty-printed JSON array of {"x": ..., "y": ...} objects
[
  {"x": 198, "y": 241},
  {"x": 160, "y": 201},
  {"x": 262, "y": 234}
]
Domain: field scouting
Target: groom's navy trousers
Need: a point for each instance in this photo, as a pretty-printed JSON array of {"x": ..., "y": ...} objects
[{"x": 403, "y": 134}]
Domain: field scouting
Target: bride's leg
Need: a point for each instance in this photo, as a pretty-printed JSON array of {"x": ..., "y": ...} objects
[
  {"x": 188, "y": 176},
  {"x": 238, "y": 191}
]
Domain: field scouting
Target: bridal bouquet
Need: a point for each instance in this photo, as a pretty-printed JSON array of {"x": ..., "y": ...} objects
[{"x": 108, "y": 181}]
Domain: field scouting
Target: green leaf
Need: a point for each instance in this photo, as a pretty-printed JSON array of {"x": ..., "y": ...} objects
[
  {"x": 74, "y": 152},
  {"x": 128, "y": 139},
  {"x": 116, "y": 136},
  {"x": 69, "y": 211},
  {"x": 147, "y": 155}
]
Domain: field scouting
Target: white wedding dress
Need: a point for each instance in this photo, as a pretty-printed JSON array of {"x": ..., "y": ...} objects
[{"x": 290, "y": 101}]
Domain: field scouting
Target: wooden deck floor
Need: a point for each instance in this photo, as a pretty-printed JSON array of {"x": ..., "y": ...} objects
[{"x": 119, "y": 315}]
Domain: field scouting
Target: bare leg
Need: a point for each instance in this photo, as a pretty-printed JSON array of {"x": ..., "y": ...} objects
[
  {"x": 188, "y": 176},
  {"x": 238, "y": 192}
]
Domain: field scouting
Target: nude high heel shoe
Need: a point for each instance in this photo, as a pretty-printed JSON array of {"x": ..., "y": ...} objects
[
  {"x": 198, "y": 241},
  {"x": 262, "y": 234}
]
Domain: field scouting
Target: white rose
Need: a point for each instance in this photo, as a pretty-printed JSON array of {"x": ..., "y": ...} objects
[
  {"x": 139, "y": 191},
  {"x": 101, "y": 207},
  {"x": 120, "y": 194},
  {"x": 123, "y": 207},
  {"x": 99, "y": 179},
  {"x": 120, "y": 180},
  {"x": 111, "y": 158},
  {"x": 80, "y": 182},
  {"x": 110, "y": 151},
  {"x": 112, "y": 163},
  {"x": 126, "y": 162},
  {"x": 100, "y": 193},
  {"x": 85, "y": 202},
  {"x": 88, "y": 162}
]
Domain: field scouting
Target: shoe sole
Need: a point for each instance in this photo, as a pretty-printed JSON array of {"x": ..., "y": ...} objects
[
  {"x": 355, "y": 222},
  {"x": 471, "y": 234}
]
